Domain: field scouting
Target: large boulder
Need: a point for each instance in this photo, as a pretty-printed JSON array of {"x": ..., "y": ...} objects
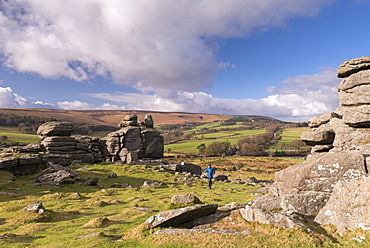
[
  {"x": 176, "y": 217},
  {"x": 306, "y": 187},
  {"x": 348, "y": 208},
  {"x": 55, "y": 129}
]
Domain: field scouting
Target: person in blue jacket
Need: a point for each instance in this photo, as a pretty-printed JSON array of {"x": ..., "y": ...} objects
[{"x": 210, "y": 172}]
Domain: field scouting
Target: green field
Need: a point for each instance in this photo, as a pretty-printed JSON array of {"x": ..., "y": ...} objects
[{"x": 15, "y": 137}]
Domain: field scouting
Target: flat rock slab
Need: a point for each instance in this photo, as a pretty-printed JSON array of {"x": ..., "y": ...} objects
[
  {"x": 200, "y": 230},
  {"x": 176, "y": 217},
  {"x": 277, "y": 219}
]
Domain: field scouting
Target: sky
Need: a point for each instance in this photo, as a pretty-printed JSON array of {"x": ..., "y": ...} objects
[{"x": 275, "y": 58}]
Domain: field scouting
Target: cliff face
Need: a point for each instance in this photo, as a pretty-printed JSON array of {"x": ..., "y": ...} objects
[{"x": 340, "y": 155}]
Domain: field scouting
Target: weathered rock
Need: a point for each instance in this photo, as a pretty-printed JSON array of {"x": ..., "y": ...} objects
[
  {"x": 91, "y": 182},
  {"x": 355, "y": 96},
  {"x": 55, "y": 129},
  {"x": 356, "y": 80},
  {"x": 348, "y": 208},
  {"x": 231, "y": 206},
  {"x": 153, "y": 183},
  {"x": 55, "y": 174},
  {"x": 199, "y": 230},
  {"x": 320, "y": 173},
  {"x": 352, "y": 66},
  {"x": 141, "y": 141},
  {"x": 306, "y": 187},
  {"x": 61, "y": 159},
  {"x": 112, "y": 175},
  {"x": 220, "y": 177},
  {"x": 128, "y": 120},
  {"x": 264, "y": 217},
  {"x": 317, "y": 137},
  {"x": 153, "y": 142},
  {"x": 184, "y": 199},
  {"x": 148, "y": 121},
  {"x": 176, "y": 217},
  {"x": 24, "y": 165},
  {"x": 357, "y": 116},
  {"x": 34, "y": 206}
]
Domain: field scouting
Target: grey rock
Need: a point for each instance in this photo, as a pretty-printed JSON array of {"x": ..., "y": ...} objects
[
  {"x": 348, "y": 207},
  {"x": 184, "y": 199},
  {"x": 356, "y": 96},
  {"x": 352, "y": 66},
  {"x": 317, "y": 137},
  {"x": 148, "y": 121},
  {"x": 55, "y": 129},
  {"x": 35, "y": 206},
  {"x": 231, "y": 207},
  {"x": 199, "y": 230},
  {"x": 176, "y": 217},
  {"x": 91, "y": 182},
  {"x": 278, "y": 219},
  {"x": 220, "y": 177}
]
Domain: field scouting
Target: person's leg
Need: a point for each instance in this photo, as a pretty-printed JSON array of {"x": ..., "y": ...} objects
[{"x": 210, "y": 182}]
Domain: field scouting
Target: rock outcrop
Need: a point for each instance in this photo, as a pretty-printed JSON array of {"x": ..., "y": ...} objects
[
  {"x": 339, "y": 160},
  {"x": 56, "y": 139},
  {"x": 134, "y": 140}
]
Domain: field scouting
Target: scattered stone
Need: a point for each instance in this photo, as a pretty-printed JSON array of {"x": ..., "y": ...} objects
[
  {"x": 91, "y": 182},
  {"x": 184, "y": 199},
  {"x": 89, "y": 235},
  {"x": 35, "y": 206},
  {"x": 142, "y": 209},
  {"x": 112, "y": 175}
]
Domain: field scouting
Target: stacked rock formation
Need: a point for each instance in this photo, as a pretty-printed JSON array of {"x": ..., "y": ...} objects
[
  {"x": 135, "y": 140},
  {"x": 340, "y": 153},
  {"x": 56, "y": 139}
]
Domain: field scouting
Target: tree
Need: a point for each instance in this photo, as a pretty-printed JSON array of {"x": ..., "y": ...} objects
[
  {"x": 201, "y": 148},
  {"x": 217, "y": 148}
]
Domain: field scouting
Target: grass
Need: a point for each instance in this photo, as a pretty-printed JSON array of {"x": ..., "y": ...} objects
[
  {"x": 15, "y": 137},
  {"x": 107, "y": 215}
]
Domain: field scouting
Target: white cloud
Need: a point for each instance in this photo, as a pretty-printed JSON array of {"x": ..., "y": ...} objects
[
  {"x": 155, "y": 44},
  {"x": 9, "y": 99},
  {"x": 300, "y": 98}
]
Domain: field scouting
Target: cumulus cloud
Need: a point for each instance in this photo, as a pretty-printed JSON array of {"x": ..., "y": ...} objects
[
  {"x": 297, "y": 98},
  {"x": 145, "y": 44},
  {"x": 9, "y": 99}
]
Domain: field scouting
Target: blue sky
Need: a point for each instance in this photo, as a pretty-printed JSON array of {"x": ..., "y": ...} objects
[{"x": 268, "y": 57}]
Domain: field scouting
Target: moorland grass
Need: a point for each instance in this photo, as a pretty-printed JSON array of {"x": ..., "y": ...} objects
[
  {"x": 112, "y": 219},
  {"x": 13, "y": 136}
]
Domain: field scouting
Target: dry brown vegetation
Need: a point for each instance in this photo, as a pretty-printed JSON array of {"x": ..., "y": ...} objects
[{"x": 113, "y": 117}]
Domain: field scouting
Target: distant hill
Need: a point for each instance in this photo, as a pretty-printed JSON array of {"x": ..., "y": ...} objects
[{"x": 113, "y": 117}]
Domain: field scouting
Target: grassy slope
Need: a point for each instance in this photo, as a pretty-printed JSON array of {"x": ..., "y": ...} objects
[
  {"x": 14, "y": 136},
  {"x": 67, "y": 216}
]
